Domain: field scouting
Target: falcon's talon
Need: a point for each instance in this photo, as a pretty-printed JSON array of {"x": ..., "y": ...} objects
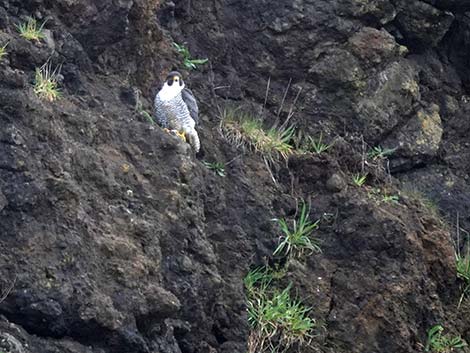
[{"x": 181, "y": 135}]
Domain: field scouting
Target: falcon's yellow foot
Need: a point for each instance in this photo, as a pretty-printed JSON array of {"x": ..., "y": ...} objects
[{"x": 181, "y": 135}]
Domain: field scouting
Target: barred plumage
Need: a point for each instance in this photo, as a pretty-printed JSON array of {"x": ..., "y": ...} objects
[{"x": 176, "y": 109}]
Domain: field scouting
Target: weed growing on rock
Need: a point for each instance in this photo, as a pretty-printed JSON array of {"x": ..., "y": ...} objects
[
  {"x": 378, "y": 152},
  {"x": 390, "y": 198},
  {"x": 463, "y": 272},
  {"x": 188, "y": 62},
  {"x": 46, "y": 85},
  {"x": 147, "y": 116},
  {"x": 315, "y": 145},
  {"x": 437, "y": 342},
  {"x": 359, "y": 179},
  {"x": 260, "y": 276},
  {"x": 244, "y": 130},
  {"x": 217, "y": 167},
  {"x": 297, "y": 240},
  {"x": 382, "y": 195},
  {"x": 278, "y": 321},
  {"x": 3, "y": 51},
  {"x": 30, "y": 30}
]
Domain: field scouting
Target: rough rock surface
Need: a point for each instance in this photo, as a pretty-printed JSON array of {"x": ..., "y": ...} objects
[{"x": 115, "y": 238}]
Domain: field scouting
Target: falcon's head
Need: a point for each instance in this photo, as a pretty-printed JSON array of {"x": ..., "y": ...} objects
[
  {"x": 173, "y": 86},
  {"x": 174, "y": 80}
]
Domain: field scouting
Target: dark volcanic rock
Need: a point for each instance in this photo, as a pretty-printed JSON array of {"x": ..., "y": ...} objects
[
  {"x": 374, "y": 46},
  {"x": 420, "y": 138},
  {"x": 455, "y": 5},
  {"x": 421, "y": 24},
  {"x": 388, "y": 99},
  {"x": 378, "y": 11},
  {"x": 115, "y": 238}
]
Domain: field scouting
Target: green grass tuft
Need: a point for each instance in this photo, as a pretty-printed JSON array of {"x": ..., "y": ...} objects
[
  {"x": 30, "y": 30},
  {"x": 46, "y": 86},
  {"x": 437, "y": 342},
  {"x": 188, "y": 62},
  {"x": 217, "y": 167},
  {"x": 315, "y": 145},
  {"x": 359, "y": 179},
  {"x": 278, "y": 321},
  {"x": 147, "y": 116},
  {"x": 3, "y": 51},
  {"x": 244, "y": 130},
  {"x": 260, "y": 276},
  {"x": 297, "y": 239},
  {"x": 390, "y": 198},
  {"x": 379, "y": 153},
  {"x": 463, "y": 272}
]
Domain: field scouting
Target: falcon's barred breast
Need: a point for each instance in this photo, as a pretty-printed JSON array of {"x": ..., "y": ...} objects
[{"x": 176, "y": 109}]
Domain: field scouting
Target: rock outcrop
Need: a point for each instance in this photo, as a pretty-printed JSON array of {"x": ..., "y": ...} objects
[{"x": 115, "y": 238}]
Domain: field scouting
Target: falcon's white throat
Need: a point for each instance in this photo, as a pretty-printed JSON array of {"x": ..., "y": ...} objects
[{"x": 169, "y": 92}]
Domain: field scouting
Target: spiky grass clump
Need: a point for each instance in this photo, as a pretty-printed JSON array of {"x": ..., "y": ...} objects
[
  {"x": 188, "y": 61},
  {"x": 259, "y": 277},
  {"x": 359, "y": 179},
  {"x": 244, "y": 130},
  {"x": 378, "y": 152},
  {"x": 463, "y": 272},
  {"x": 217, "y": 167},
  {"x": 315, "y": 145},
  {"x": 437, "y": 342},
  {"x": 46, "y": 84},
  {"x": 278, "y": 321},
  {"x": 391, "y": 198},
  {"x": 3, "y": 51},
  {"x": 297, "y": 240},
  {"x": 30, "y": 30}
]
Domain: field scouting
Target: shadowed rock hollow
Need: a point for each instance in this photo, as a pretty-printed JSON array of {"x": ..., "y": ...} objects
[{"x": 115, "y": 238}]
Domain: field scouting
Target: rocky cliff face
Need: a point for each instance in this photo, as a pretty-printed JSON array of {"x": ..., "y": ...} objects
[{"x": 115, "y": 238}]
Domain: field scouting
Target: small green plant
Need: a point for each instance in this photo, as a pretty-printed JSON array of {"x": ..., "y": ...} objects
[
  {"x": 30, "y": 30},
  {"x": 247, "y": 131},
  {"x": 259, "y": 276},
  {"x": 316, "y": 145},
  {"x": 437, "y": 342},
  {"x": 188, "y": 62},
  {"x": 46, "y": 84},
  {"x": 297, "y": 240},
  {"x": 3, "y": 51},
  {"x": 359, "y": 179},
  {"x": 463, "y": 272},
  {"x": 379, "y": 152},
  {"x": 390, "y": 198},
  {"x": 217, "y": 167},
  {"x": 147, "y": 116},
  {"x": 278, "y": 321}
]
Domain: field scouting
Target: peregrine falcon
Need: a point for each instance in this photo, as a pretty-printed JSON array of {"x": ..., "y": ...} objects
[{"x": 176, "y": 109}]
